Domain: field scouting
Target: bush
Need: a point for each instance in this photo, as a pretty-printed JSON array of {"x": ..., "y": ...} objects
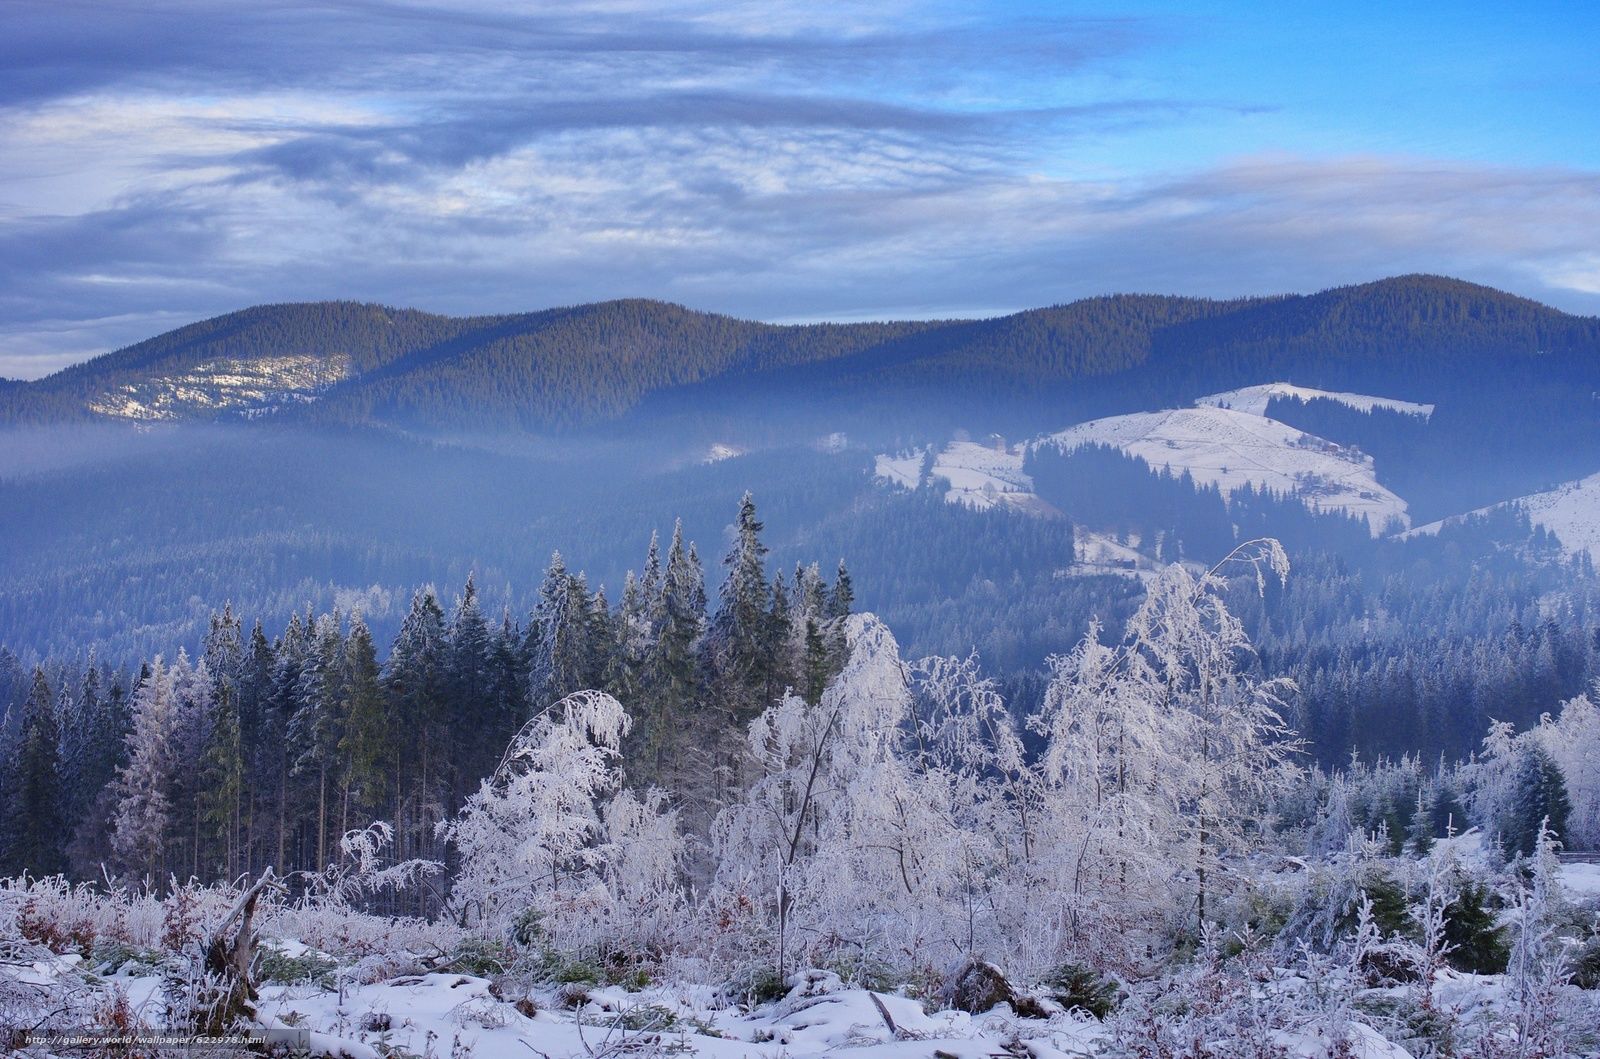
[
  {"x": 277, "y": 966},
  {"x": 1077, "y": 986},
  {"x": 1478, "y": 943},
  {"x": 110, "y": 957},
  {"x": 480, "y": 958},
  {"x": 754, "y": 986},
  {"x": 1586, "y": 963}
]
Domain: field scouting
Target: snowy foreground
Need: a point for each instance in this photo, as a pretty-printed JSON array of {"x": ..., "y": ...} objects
[
  {"x": 391, "y": 991},
  {"x": 463, "y": 1015}
]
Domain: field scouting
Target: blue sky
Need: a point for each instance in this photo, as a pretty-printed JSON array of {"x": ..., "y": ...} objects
[{"x": 164, "y": 161}]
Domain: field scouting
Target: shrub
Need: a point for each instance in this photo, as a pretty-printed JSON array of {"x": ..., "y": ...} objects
[
  {"x": 480, "y": 958},
  {"x": 313, "y": 968},
  {"x": 1478, "y": 943},
  {"x": 1077, "y": 986}
]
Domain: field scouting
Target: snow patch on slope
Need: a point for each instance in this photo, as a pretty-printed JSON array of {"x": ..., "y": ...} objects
[
  {"x": 1253, "y": 400},
  {"x": 979, "y": 476},
  {"x": 253, "y": 387},
  {"x": 1231, "y": 449},
  {"x": 1571, "y": 511}
]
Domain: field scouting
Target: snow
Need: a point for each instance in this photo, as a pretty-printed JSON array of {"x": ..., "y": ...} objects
[
  {"x": 985, "y": 476},
  {"x": 1100, "y": 554},
  {"x": 1583, "y": 880},
  {"x": 721, "y": 451},
  {"x": 252, "y": 387},
  {"x": 1230, "y": 449},
  {"x": 900, "y": 470},
  {"x": 1253, "y": 400},
  {"x": 1571, "y": 511},
  {"x": 978, "y": 476}
]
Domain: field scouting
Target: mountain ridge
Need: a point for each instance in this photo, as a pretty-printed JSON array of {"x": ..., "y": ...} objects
[{"x": 574, "y": 365}]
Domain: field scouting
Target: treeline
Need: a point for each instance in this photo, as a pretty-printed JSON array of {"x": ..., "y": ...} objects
[
  {"x": 1423, "y": 656},
  {"x": 264, "y": 750}
]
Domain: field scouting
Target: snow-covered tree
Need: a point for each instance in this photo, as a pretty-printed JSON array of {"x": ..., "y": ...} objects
[
  {"x": 1572, "y": 740},
  {"x": 549, "y": 832},
  {"x": 143, "y": 816}
]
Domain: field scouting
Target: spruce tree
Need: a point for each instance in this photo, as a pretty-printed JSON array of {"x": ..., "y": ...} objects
[
  {"x": 366, "y": 743},
  {"x": 739, "y": 630},
  {"x": 38, "y": 820}
]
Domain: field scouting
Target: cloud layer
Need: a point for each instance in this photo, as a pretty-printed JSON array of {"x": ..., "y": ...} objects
[{"x": 165, "y": 162}]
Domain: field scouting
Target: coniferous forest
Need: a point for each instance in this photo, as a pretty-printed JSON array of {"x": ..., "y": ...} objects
[{"x": 459, "y": 694}]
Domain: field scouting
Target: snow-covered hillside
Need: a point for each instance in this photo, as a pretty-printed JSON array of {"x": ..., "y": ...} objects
[
  {"x": 1231, "y": 449},
  {"x": 978, "y": 476},
  {"x": 1571, "y": 511},
  {"x": 1226, "y": 440},
  {"x": 246, "y": 386},
  {"x": 1254, "y": 399}
]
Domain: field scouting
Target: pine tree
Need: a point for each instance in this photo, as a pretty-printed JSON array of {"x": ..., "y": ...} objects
[
  {"x": 470, "y": 709},
  {"x": 739, "y": 636},
  {"x": 672, "y": 689},
  {"x": 366, "y": 744},
  {"x": 37, "y": 811},
  {"x": 843, "y": 595}
]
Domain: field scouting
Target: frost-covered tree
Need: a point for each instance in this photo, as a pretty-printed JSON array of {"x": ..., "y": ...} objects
[
  {"x": 1517, "y": 790},
  {"x": 1160, "y": 750},
  {"x": 1572, "y": 741},
  {"x": 549, "y": 833},
  {"x": 143, "y": 817},
  {"x": 738, "y": 641},
  {"x": 872, "y": 825}
]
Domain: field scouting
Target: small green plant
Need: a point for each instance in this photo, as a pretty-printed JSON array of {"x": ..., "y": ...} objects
[
  {"x": 1478, "y": 944},
  {"x": 528, "y": 931},
  {"x": 1077, "y": 986},
  {"x": 310, "y": 968},
  {"x": 480, "y": 958},
  {"x": 109, "y": 957},
  {"x": 576, "y": 972},
  {"x": 866, "y": 973},
  {"x": 1585, "y": 963},
  {"x": 648, "y": 1017},
  {"x": 755, "y": 986}
]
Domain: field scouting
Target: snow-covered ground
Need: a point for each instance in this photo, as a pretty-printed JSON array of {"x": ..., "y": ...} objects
[
  {"x": 1581, "y": 880},
  {"x": 235, "y": 385},
  {"x": 448, "y": 1014},
  {"x": 1100, "y": 554},
  {"x": 903, "y": 470},
  {"x": 978, "y": 476},
  {"x": 1230, "y": 449},
  {"x": 1571, "y": 511},
  {"x": 1253, "y": 400},
  {"x": 1226, "y": 440}
]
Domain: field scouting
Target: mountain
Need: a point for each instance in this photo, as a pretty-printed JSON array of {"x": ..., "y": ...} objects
[{"x": 561, "y": 368}]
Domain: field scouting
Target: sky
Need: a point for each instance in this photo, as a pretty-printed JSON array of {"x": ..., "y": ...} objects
[{"x": 162, "y": 162}]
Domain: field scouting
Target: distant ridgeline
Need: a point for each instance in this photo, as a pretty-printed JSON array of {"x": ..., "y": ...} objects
[{"x": 565, "y": 367}]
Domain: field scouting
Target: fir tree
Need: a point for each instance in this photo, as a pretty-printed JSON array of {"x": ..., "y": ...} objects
[{"x": 37, "y": 811}]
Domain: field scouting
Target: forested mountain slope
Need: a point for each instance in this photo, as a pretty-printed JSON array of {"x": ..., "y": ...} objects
[{"x": 352, "y": 363}]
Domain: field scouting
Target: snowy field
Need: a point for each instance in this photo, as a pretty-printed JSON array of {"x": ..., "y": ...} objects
[
  {"x": 1231, "y": 449},
  {"x": 1226, "y": 441},
  {"x": 977, "y": 476},
  {"x": 1253, "y": 400},
  {"x": 1571, "y": 511}
]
